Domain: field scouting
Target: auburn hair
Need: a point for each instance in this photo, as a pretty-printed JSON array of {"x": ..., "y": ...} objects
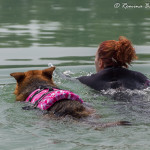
[{"x": 117, "y": 53}]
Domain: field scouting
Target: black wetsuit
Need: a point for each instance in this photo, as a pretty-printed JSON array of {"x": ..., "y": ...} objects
[{"x": 115, "y": 77}]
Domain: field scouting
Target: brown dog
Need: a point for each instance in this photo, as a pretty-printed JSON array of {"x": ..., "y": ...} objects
[{"x": 29, "y": 81}]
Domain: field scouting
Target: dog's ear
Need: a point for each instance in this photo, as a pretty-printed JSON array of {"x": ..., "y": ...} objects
[
  {"x": 19, "y": 76},
  {"x": 48, "y": 72}
]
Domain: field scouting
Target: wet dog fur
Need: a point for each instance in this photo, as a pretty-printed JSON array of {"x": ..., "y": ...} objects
[{"x": 31, "y": 80}]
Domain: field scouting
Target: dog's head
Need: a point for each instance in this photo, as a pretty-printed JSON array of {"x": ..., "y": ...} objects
[{"x": 28, "y": 81}]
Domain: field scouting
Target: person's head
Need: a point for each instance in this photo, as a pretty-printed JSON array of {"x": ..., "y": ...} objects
[{"x": 114, "y": 53}]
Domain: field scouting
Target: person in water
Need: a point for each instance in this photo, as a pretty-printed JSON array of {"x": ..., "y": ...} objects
[{"x": 111, "y": 62}]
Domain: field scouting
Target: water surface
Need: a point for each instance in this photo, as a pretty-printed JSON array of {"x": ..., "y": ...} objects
[{"x": 66, "y": 33}]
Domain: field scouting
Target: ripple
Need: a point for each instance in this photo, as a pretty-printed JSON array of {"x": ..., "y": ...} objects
[{"x": 128, "y": 95}]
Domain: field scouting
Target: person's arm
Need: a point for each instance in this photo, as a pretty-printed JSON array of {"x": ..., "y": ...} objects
[
  {"x": 94, "y": 81},
  {"x": 147, "y": 83}
]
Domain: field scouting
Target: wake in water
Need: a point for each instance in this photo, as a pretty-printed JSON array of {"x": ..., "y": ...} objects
[
  {"x": 134, "y": 104},
  {"x": 127, "y": 94}
]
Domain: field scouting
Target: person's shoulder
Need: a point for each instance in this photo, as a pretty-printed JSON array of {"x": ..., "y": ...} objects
[
  {"x": 132, "y": 71},
  {"x": 138, "y": 75}
]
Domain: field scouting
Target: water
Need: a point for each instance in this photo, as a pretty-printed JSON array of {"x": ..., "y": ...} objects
[{"x": 66, "y": 33}]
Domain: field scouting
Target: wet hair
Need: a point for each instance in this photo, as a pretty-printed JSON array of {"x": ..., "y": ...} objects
[
  {"x": 117, "y": 53},
  {"x": 69, "y": 107}
]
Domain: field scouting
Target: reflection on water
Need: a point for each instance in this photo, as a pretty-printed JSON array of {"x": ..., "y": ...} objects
[
  {"x": 70, "y": 56},
  {"x": 66, "y": 33},
  {"x": 74, "y": 23}
]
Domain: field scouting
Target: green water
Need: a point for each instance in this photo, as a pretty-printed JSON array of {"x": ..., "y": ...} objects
[
  {"x": 25, "y": 23},
  {"x": 66, "y": 33}
]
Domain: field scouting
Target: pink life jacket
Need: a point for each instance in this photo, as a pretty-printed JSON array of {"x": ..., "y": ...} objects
[{"x": 44, "y": 99}]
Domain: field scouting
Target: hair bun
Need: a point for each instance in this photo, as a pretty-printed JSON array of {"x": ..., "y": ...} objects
[
  {"x": 122, "y": 38},
  {"x": 125, "y": 50},
  {"x": 121, "y": 51}
]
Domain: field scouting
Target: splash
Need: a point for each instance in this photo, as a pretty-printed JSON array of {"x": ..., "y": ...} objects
[
  {"x": 127, "y": 94},
  {"x": 50, "y": 65},
  {"x": 68, "y": 73}
]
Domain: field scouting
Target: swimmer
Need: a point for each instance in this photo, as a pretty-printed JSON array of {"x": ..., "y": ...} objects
[{"x": 111, "y": 61}]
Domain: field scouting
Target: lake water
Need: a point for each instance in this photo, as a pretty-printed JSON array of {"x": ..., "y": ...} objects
[{"x": 67, "y": 33}]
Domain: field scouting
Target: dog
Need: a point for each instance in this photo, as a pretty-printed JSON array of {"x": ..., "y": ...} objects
[{"x": 38, "y": 88}]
